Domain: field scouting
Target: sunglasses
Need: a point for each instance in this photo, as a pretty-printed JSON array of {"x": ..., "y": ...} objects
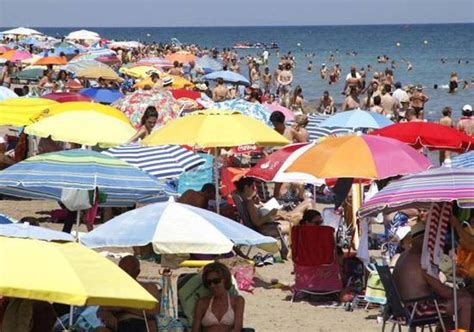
[{"x": 214, "y": 281}]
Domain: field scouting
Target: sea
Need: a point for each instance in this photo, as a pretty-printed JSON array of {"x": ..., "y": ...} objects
[{"x": 422, "y": 45}]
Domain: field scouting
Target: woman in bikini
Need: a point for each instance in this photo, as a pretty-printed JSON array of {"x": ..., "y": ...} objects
[
  {"x": 220, "y": 312},
  {"x": 148, "y": 122}
]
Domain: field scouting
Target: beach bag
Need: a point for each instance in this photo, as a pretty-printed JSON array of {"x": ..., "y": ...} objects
[
  {"x": 375, "y": 293},
  {"x": 167, "y": 318},
  {"x": 75, "y": 199},
  {"x": 243, "y": 275}
]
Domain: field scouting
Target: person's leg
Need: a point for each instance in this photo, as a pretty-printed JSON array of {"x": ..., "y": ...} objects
[{"x": 464, "y": 309}]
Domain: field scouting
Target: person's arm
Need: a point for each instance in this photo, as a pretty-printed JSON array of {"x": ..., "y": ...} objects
[
  {"x": 442, "y": 290},
  {"x": 279, "y": 79},
  {"x": 256, "y": 219},
  {"x": 239, "y": 314},
  {"x": 291, "y": 79},
  {"x": 344, "y": 105},
  {"x": 199, "y": 312},
  {"x": 138, "y": 135}
]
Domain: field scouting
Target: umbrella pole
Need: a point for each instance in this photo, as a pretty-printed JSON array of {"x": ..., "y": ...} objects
[
  {"x": 71, "y": 316},
  {"x": 78, "y": 222},
  {"x": 216, "y": 179},
  {"x": 454, "y": 282}
]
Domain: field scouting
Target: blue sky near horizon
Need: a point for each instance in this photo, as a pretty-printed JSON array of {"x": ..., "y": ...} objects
[{"x": 169, "y": 13}]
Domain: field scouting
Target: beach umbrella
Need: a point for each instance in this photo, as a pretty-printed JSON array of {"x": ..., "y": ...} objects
[
  {"x": 442, "y": 184},
  {"x": 109, "y": 59},
  {"x": 5, "y": 220},
  {"x": 23, "y": 111},
  {"x": 357, "y": 119},
  {"x": 45, "y": 176},
  {"x": 178, "y": 82},
  {"x": 4, "y": 49},
  {"x": 289, "y": 115},
  {"x": 134, "y": 105},
  {"x": 208, "y": 64},
  {"x": 32, "y": 73},
  {"x": 6, "y": 93},
  {"x": 175, "y": 228},
  {"x": 51, "y": 60},
  {"x": 86, "y": 128},
  {"x": 431, "y": 135},
  {"x": 359, "y": 156},
  {"x": 87, "y": 107},
  {"x": 272, "y": 167},
  {"x": 63, "y": 97},
  {"x": 16, "y": 55},
  {"x": 465, "y": 160},
  {"x": 21, "y": 32},
  {"x": 125, "y": 44},
  {"x": 139, "y": 71},
  {"x": 32, "y": 41},
  {"x": 67, "y": 48},
  {"x": 102, "y": 95},
  {"x": 67, "y": 273},
  {"x": 181, "y": 57},
  {"x": 316, "y": 132},
  {"x": 97, "y": 72},
  {"x": 227, "y": 76},
  {"x": 162, "y": 161},
  {"x": 252, "y": 109},
  {"x": 185, "y": 94},
  {"x": 27, "y": 231},
  {"x": 83, "y": 35}
]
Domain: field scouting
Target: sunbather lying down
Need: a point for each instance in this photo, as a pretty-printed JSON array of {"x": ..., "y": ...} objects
[{"x": 272, "y": 222}]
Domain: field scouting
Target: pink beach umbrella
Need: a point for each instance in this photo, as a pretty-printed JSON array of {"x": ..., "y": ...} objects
[{"x": 289, "y": 116}]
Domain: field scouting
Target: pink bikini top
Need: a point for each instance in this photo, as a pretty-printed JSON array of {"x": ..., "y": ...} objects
[{"x": 210, "y": 319}]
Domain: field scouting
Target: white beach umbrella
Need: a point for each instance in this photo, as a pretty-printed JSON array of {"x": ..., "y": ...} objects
[
  {"x": 21, "y": 32},
  {"x": 84, "y": 35}
]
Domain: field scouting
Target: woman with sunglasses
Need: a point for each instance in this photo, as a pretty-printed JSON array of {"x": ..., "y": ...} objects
[{"x": 221, "y": 312}]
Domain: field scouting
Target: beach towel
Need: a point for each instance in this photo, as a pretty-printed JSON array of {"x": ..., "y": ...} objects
[{"x": 434, "y": 238}]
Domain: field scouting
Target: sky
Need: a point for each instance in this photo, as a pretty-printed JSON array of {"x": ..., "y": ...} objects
[{"x": 130, "y": 13}]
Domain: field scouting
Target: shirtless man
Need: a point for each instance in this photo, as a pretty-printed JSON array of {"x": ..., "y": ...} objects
[
  {"x": 446, "y": 120},
  {"x": 326, "y": 104},
  {"x": 390, "y": 104},
  {"x": 278, "y": 120},
  {"x": 200, "y": 198},
  {"x": 352, "y": 100},
  {"x": 466, "y": 123},
  {"x": 255, "y": 74},
  {"x": 418, "y": 100},
  {"x": 234, "y": 66},
  {"x": 413, "y": 282},
  {"x": 353, "y": 79},
  {"x": 267, "y": 80},
  {"x": 220, "y": 91},
  {"x": 284, "y": 79},
  {"x": 323, "y": 71},
  {"x": 176, "y": 70}
]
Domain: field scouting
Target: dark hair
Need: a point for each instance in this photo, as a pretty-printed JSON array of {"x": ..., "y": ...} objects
[
  {"x": 377, "y": 100},
  {"x": 388, "y": 88},
  {"x": 242, "y": 182},
  {"x": 278, "y": 117},
  {"x": 149, "y": 113},
  {"x": 309, "y": 215},
  {"x": 176, "y": 63},
  {"x": 221, "y": 270},
  {"x": 208, "y": 187},
  {"x": 220, "y": 80},
  {"x": 447, "y": 111}
]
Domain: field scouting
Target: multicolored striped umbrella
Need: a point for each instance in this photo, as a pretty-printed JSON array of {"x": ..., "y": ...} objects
[
  {"x": 162, "y": 161},
  {"x": 254, "y": 110},
  {"x": 442, "y": 184},
  {"x": 47, "y": 174}
]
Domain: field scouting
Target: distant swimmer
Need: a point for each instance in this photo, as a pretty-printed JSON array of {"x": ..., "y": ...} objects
[
  {"x": 453, "y": 82},
  {"x": 323, "y": 71},
  {"x": 310, "y": 66},
  {"x": 409, "y": 66}
]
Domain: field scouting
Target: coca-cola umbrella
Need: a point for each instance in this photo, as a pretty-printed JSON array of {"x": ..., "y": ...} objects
[{"x": 431, "y": 135}]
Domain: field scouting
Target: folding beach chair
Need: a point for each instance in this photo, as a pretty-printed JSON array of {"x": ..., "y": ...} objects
[
  {"x": 404, "y": 312},
  {"x": 314, "y": 257}
]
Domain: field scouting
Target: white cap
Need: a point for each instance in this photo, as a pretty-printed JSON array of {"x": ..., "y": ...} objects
[{"x": 467, "y": 107}]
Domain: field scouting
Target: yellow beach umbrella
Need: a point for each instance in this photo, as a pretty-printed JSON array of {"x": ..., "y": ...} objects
[
  {"x": 140, "y": 71},
  {"x": 23, "y": 111},
  {"x": 215, "y": 128},
  {"x": 87, "y": 106},
  {"x": 179, "y": 82},
  {"x": 87, "y": 128},
  {"x": 66, "y": 273},
  {"x": 106, "y": 73}
]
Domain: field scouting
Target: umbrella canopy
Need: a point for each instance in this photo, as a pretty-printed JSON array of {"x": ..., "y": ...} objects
[
  {"x": 4, "y": 219},
  {"x": 227, "y": 76},
  {"x": 361, "y": 156},
  {"x": 135, "y": 104},
  {"x": 272, "y": 168},
  {"x": 185, "y": 94},
  {"x": 140, "y": 71},
  {"x": 67, "y": 273},
  {"x": 87, "y": 128},
  {"x": 465, "y": 160},
  {"x": 289, "y": 116},
  {"x": 6, "y": 93},
  {"x": 102, "y": 95},
  {"x": 20, "y": 31},
  {"x": 87, "y": 107},
  {"x": 181, "y": 57},
  {"x": 442, "y": 184},
  {"x": 51, "y": 60},
  {"x": 215, "y": 128},
  {"x": 163, "y": 161},
  {"x": 16, "y": 55},
  {"x": 317, "y": 132},
  {"x": 432, "y": 135},
  {"x": 84, "y": 35},
  {"x": 97, "y": 72},
  {"x": 208, "y": 64},
  {"x": 254, "y": 110},
  {"x": 32, "y": 73},
  {"x": 179, "y": 82},
  {"x": 357, "y": 119},
  {"x": 4, "y": 49},
  {"x": 175, "y": 228},
  {"x": 63, "y": 97},
  {"x": 22, "y": 111},
  {"x": 27, "y": 231}
]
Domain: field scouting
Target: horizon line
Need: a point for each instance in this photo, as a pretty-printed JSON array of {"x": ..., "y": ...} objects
[{"x": 235, "y": 26}]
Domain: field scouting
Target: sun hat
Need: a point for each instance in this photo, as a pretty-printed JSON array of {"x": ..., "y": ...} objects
[{"x": 167, "y": 81}]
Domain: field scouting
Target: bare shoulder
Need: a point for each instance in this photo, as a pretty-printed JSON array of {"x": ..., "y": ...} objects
[{"x": 237, "y": 300}]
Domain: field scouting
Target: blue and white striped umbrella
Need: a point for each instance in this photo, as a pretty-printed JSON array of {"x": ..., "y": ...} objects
[
  {"x": 227, "y": 76},
  {"x": 24, "y": 230},
  {"x": 45, "y": 175},
  {"x": 465, "y": 160},
  {"x": 162, "y": 161},
  {"x": 4, "y": 219},
  {"x": 315, "y": 130},
  {"x": 356, "y": 119},
  {"x": 255, "y": 110},
  {"x": 175, "y": 228}
]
